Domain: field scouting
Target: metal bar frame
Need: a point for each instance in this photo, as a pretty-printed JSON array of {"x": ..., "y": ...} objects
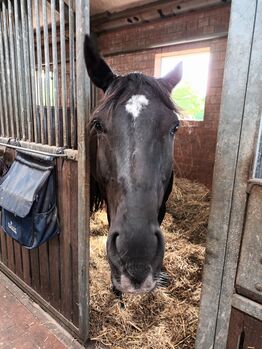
[
  {"x": 8, "y": 70},
  {"x": 39, "y": 148},
  {"x": 2, "y": 125},
  {"x": 32, "y": 68},
  {"x": 81, "y": 155},
  {"x": 26, "y": 68},
  {"x": 39, "y": 71},
  {"x": 19, "y": 57},
  {"x": 3, "y": 78},
  {"x": 63, "y": 72},
  {"x": 13, "y": 71},
  {"x": 72, "y": 73},
  {"x": 47, "y": 73},
  {"x": 55, "y": 70}
]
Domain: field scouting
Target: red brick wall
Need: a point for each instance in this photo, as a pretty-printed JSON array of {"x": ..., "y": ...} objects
[{"x": 195, "y": 141}]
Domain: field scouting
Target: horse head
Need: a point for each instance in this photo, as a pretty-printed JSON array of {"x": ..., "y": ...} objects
[{"x": 131, "y": 149}]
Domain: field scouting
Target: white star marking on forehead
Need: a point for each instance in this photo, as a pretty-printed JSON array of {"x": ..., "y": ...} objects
[{"x": 135, "y": 105}]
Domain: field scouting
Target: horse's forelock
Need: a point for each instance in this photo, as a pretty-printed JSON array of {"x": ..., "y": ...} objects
[{"x": 124, "y": 87}]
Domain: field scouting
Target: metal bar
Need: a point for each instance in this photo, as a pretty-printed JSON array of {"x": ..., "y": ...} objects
[
  {"x": 8, "y": 72},
  {"x": 37, "y": 148},
  {"x": 13, "y": 71},
  {"x": 252, "y": 182},
  {"x": 83, "y": 108},
  {"x": 3, "y": 80},
  {"x": 2, "y": 124},
  {"x": 29, "y": 123},
  {"x": 47, "y": 74},
  {"x": 39, "y": 72},
  {"x": 20, "y": 65},
  {"x": 63, "y": 72},
  {"x": 72, "y": 74},
  {"x": 26, "y": 150},
  {"x": 55, "y": 71},
  {"x": 32, "y": 68}
]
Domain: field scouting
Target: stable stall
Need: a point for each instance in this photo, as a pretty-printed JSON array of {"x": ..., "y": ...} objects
[{"x": 45, "y": 102}]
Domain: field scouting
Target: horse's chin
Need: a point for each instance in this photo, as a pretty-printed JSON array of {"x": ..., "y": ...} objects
[{"x": 124, "y": 285}]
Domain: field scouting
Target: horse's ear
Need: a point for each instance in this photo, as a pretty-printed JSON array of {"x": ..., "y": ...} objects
[
  {"x": 173, "y": 77},
  {"x": 99, "y": 72}
]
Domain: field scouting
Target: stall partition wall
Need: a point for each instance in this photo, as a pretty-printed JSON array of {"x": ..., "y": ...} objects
[
  {"x": 45, "y": 102},
  {"x": 231, "y": 300}
]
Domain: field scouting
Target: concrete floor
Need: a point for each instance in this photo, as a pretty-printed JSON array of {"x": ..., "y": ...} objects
[{"x": 24, "y": 325}]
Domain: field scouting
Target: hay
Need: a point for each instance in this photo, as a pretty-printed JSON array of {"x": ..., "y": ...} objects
[{"x": 166, "y": 318}]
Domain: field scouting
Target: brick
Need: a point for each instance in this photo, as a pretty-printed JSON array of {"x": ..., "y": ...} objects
[{"x": 196, "y": 141}]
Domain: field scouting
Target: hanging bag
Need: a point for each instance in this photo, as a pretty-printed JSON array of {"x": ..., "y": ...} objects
[{"x": 28, "y": 200}]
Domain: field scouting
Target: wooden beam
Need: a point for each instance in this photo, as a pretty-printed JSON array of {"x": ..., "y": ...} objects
[
  {"x": 247, "y": 306},
  {"x": 83, "y": 112},
  {"x": 159, "y": 9}
]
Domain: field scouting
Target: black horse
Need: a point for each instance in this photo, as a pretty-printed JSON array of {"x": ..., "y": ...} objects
[{"x": 131, "y": 150}]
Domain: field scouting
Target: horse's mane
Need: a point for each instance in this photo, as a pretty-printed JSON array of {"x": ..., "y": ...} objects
[
  {"x": 119, "y": 92},
  {"x": 97, "y": 200}
]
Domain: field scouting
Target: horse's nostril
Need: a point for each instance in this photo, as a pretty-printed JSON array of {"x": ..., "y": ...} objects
[
  {"x": 160, "y": 247},
  {"x": 112, "y": 241}
]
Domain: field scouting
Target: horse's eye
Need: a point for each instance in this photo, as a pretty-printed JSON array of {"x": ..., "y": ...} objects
[
  {"x": 98, "y": 126},
  {"x": 174, "y": 129}
]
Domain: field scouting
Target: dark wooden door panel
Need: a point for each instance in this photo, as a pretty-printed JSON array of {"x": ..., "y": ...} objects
[
  {"x": 249, "y": 276},
  {"x": 245, "y": 332}
]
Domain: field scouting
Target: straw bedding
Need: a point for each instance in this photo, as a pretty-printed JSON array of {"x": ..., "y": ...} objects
[{"x": 166, "y": 318}]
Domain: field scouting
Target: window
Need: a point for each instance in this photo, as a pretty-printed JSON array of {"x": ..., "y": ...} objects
[{"x": 190, "y": 94}]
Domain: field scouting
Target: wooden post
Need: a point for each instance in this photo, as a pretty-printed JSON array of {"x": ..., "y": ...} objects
[
  {"x": 83, "y": 108},
  {"x": 239, "y": 122}
]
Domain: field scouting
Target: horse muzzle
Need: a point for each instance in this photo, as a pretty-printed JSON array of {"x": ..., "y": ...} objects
[{"x": 126, "y": 284}]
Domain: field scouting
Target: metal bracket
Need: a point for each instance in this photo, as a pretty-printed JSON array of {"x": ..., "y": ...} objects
[{"x": 252, "y": 182}]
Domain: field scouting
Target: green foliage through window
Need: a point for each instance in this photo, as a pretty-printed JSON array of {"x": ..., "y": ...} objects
[
  {"x": 192, "y": 105},
  {"x": 189, "y": 95}
]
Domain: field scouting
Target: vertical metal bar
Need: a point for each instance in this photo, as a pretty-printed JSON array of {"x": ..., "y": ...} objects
[
  {"x": 47, "y": 74},
  {"x": 39, "y": 72},
  {"x": 2, "y": 125},
  {"x": 63, "y": 72},
  {"x": 2, "y": 111},
  {"x": 3, "y": 80},
  {"x": 32, "y": 67},
  {"x": 72, "y": 74},
  {"x": 8, "y": 73},
  {"x": 20, "y": 67},
  {"x": 83, "y": 108},
  {"x": 29, "y": 123},
  {"x": 55, "y": 71},
  {"x": 13, "y": 71}
]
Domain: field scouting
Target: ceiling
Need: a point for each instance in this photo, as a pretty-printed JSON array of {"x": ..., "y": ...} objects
[
  {"x": 100, "y": 6},
  {"x": 108, "y": 15}
]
